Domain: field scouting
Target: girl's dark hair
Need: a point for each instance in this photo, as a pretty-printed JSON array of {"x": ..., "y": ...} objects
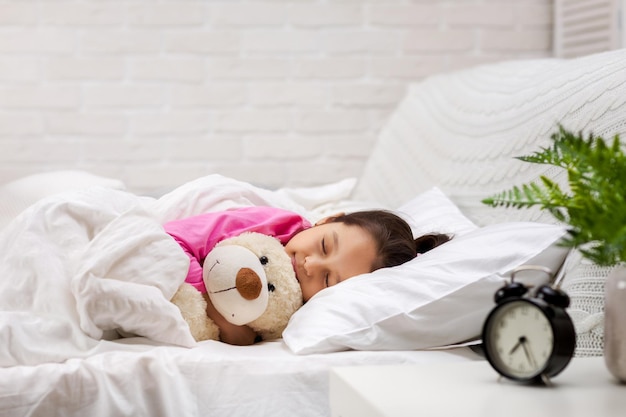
[{"x": 392, "y": 235}]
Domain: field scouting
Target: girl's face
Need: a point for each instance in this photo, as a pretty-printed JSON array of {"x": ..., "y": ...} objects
[{"x": 329, "y": 253}]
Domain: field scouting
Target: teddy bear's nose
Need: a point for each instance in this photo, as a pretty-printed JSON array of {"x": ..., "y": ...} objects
[{"x": 248, "y": 283}]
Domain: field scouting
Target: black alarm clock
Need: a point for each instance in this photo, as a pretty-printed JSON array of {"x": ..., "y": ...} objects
[{"x": 529, "y": 338}]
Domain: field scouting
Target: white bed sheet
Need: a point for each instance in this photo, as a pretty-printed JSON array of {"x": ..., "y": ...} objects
[{"x": 131, "y": 377}]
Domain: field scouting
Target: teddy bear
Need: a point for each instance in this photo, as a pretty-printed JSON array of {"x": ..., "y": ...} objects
[{"x": 250, "y": 280}]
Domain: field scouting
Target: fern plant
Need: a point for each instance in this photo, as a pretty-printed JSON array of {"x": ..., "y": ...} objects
[{"x": 594, "y": 207}]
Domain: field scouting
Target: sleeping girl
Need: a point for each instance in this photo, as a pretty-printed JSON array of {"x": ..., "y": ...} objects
[{"x": 335, "y": 249}]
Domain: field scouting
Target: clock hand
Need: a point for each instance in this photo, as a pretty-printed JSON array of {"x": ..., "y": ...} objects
[
  {"x": 528, "y": 352},
  {"x": 517, "y": 345}
]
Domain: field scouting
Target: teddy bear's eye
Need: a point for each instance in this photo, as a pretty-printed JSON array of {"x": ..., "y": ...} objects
[
  {"x": 263, "y": 259},
  {"x": 270, "y": 287}
]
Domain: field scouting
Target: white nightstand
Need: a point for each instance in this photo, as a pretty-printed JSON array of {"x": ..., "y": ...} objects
[{"x": 472, "y": 389}]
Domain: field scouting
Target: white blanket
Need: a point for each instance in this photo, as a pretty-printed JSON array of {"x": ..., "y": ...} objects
[
  {"x": 77, "y": 267},
  {"x": 81, "y": 267}
]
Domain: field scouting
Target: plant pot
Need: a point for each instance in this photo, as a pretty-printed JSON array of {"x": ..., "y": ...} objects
[{"x": 615, "y": 323}]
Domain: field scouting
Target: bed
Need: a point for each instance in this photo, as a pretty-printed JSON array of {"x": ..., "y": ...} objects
[{"x": 103, "y": 269}]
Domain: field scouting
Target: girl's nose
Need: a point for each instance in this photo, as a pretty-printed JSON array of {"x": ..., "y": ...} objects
[{"x": 311, "y": 265}]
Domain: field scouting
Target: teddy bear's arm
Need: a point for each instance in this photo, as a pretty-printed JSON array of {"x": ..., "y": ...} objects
[{"x": 193, "y": 308}]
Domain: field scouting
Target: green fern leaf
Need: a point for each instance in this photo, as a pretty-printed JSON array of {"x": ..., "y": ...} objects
[{"x": 594, "y": 207}]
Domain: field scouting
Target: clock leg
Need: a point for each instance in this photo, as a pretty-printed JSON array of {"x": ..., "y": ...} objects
[{"x": 546, "y": 380}]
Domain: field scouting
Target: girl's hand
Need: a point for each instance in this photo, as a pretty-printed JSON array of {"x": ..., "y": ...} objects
[
  {"x": 237, "y": 335},
  {"x": 230, "y": 333}
]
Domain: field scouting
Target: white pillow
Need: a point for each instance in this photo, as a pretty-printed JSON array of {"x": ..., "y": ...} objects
[
  {"x": 432, "y": 211},
  {"x": 439, "y": 298}
]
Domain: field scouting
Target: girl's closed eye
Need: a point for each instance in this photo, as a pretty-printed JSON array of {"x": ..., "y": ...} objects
[{"x": 325, "y": 252}]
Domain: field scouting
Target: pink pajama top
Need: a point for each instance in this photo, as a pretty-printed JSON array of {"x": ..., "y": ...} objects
[{"x": 197, "y": 235}]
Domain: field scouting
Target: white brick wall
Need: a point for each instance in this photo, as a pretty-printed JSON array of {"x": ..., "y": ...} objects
[{"x": 276, "y": 92}]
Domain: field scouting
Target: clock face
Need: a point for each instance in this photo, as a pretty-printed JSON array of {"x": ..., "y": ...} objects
[{"x": 519, "y": 340}]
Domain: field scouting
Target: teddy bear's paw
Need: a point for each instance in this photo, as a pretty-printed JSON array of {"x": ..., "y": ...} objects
[
  {"x": 192, "y": 306},
  {"x": 203, "y": 328}
]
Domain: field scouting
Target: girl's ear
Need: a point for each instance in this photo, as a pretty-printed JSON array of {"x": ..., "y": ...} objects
[{"x": 329, "y": 219}]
